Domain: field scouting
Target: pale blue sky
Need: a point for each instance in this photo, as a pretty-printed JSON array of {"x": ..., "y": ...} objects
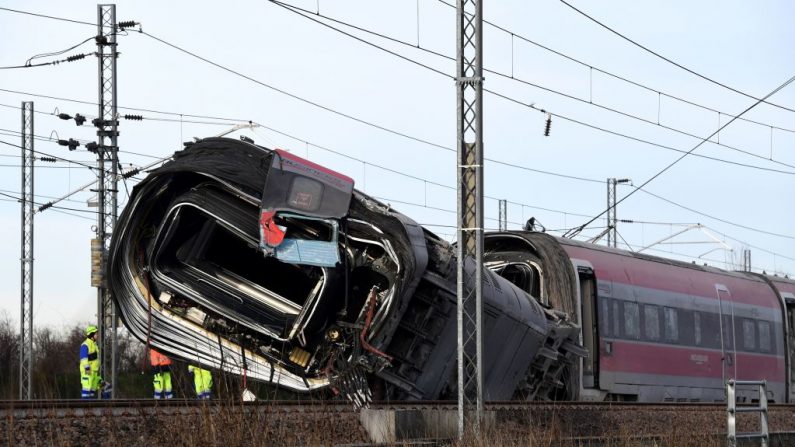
[{"x": 746, "y": 45}]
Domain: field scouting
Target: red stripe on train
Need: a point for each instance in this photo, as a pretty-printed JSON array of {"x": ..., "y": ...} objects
[
  {"x": 625, "y": 269},
  {"x": 647, "y": 358}
]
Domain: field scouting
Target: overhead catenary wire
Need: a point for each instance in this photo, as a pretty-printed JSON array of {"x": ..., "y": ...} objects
[
  {"x": 292, "y": 95},
  {"x": 60, "y": 52},
  {"x": 136, "y": 109},
  {"x": 289, "y": 7},
  {"x": 496, "y": 26},
  {"x": 532, "y": 106},
  {"x": 591, "y": 67},
  {"x": 56, "y": 210},
  {"x": 672, "y": 62},
  {"x": 158, "y": 112},
  {"x": 62, "y": 19},
  {"x": 73, "y": 58},
  {"x": 234, "y": 119},
  {"x": 421, "y": 179},
  {"x": 670, "y": 165},
  {"x": 306, "y": 13},
  {"x": 19, "y": 199},
  {"x": 83, "y": 164}
]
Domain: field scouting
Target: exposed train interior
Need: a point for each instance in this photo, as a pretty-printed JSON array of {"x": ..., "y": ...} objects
[{"x": 269, "y": 263}]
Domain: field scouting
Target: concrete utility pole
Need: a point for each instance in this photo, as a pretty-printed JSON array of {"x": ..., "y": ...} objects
[
  {"x": 26, "y": 258},
  {"x": 612, "y": 220},
  {"x": 107, "y": 133},
  {"x": 503, "y": 217},
  {"x": 469, "y": 87}
]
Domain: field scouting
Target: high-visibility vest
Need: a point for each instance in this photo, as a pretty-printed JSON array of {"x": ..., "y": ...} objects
[
  {"x": 202, "y": 379},
  {"x": 158, "y": 359},
  {"x": 92, "y": 359}
]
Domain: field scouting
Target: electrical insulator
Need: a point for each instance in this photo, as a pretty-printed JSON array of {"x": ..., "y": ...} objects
[
  {"x": 48, "y": 159},
  {"x": 75, "y": 57},
  {"x": 97, "y": 276},
  {"x": 549, "y": 124},
  {"x": 92, "y": 147},
  {"x": 126, "y": 24},
  {"x": 133, "y": 117},
  {"x": 79, "y": 119},
  {"x": 70, "y": 143},
  {"x": 131, "y": 173},
  {"x": 64, "y": 116}
]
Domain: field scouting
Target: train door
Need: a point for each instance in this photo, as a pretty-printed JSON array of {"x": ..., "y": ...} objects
[
  {"x": 590, "y": 337},
  {"x": 727, "y": 345},
  {"x": 789, "y": 326}
]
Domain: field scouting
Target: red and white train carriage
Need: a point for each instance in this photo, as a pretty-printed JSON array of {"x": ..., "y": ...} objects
[{"x": 657, "y": 329}]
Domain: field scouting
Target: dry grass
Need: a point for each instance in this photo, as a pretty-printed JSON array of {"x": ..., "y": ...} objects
[{"x": 232, "y": 424}]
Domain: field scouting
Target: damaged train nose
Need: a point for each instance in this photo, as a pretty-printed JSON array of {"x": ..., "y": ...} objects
[{"x": 242, "y": 258}]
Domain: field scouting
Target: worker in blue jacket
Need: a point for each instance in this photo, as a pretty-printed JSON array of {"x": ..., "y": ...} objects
[{"x": 89, "y": 365}]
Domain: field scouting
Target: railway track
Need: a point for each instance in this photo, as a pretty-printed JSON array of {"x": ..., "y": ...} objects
[
  {"x": 79, "y": 407},
  {"x": 136, "y": 422}
]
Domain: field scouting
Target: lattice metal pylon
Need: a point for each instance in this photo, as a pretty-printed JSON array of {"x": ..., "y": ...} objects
[
  {"x": 107, "y": 133},
  {"x": 469, "y": 87},
  {"x": 503, "y": 216},
  {"x": 26, "y": 258},
  {"x": 611, "y": 213}
]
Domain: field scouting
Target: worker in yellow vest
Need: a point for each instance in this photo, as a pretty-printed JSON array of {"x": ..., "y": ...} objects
[
  {"x": 202, "y": 381},
  {"x": 161, "y": 367},
  {"x": 89, "y": 365}
]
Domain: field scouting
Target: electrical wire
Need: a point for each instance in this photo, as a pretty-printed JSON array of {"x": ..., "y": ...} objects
[
  {"x": 72, "y": 58},
  {"x": 54, "y": 156},
  {"x": 616, "y": 76},
  {"x": 58, "y": 53},
  {"x": 672, "y": 62},
  {"x": 584, "y": 179},
  {"x": 19, "y": 199},
  {"x": 40, "y": 195},
  {"x": 533, "y": 107},
  {"x": 136, "y": 109},
  {"x": 57, "y": 211},
  {"x": 670, "y": 165},
  {"x": 62, "y": 19},
  {"x": 590, "y": 102},
  {"x": 291, "y": 95},
  {"x": 710, "y": 216}
]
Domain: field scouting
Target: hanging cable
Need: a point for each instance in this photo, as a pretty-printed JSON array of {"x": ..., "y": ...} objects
[
  {"x": 62, "y": 19},
  {"x": 670, "y": 165},
  {"x": 532, "y": 106},
  {"x": 693, "y": 72},
  {"x": 613, "y": 75}
]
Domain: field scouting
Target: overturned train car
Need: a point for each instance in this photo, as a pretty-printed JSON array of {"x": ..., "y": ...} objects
[{"x": 257, "y": 262}]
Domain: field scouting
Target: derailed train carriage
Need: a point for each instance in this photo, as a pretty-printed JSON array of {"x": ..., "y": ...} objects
[
  {"x": 255, "y": 261},
  {"x": 246, "y": 259}
]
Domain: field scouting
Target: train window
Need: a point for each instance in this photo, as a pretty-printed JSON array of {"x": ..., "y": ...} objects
[
  {"x": 728, "y": 332},
  {"x": 764, "y": 336},
  {"x": 616, "y": 317},
  {"x": 671, "y": 324},
  {"x": 749, "y": 339},
  {"x": 631, "y": 320},
  {"x": 651, "y": 320},
  {"x": 697, "y": 327},
  {"x": 604, "y": 316}
]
